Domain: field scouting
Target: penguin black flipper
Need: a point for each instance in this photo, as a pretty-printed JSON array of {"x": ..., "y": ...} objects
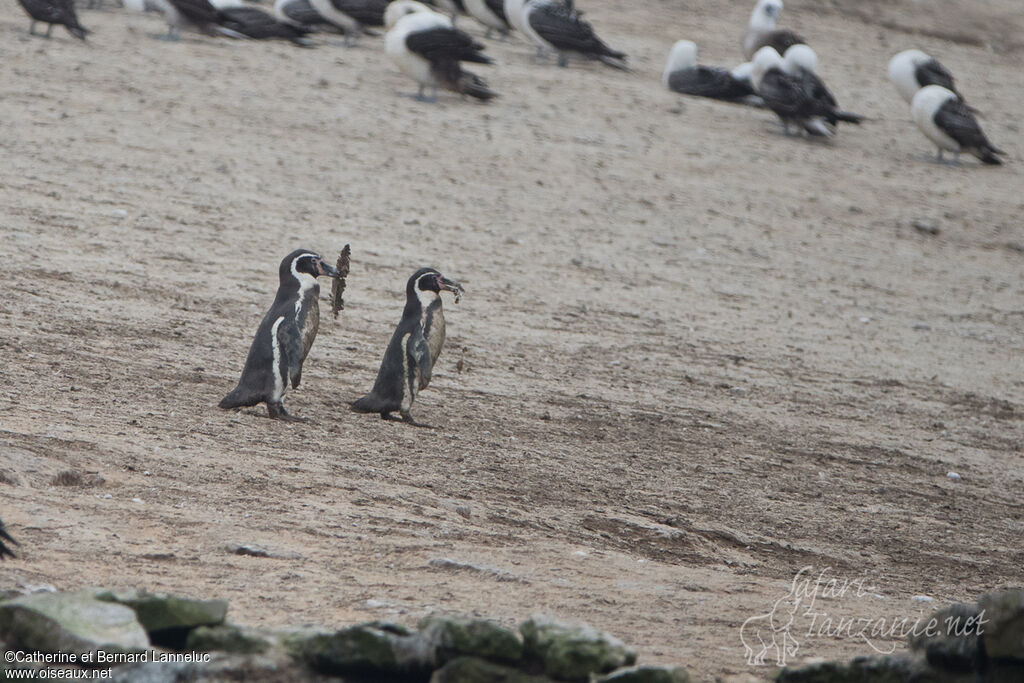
[
  {"x": 420, "y": 363},
  {"x": 289, "y": 340}
]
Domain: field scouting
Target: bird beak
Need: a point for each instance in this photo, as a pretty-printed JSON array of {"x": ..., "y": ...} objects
[
  {"x": 327, "y": 270},
  {"x": 452, "y": 286}
]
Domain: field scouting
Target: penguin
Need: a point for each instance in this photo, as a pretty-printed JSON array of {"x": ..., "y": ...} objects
[
  {"x": 54, "y": 12},
  {"x": 284, "y": 337},
  {"x": 414, "y": 347},
  {"x": 4, "y": 536}
]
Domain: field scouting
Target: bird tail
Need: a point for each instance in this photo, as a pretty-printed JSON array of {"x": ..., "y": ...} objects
[
  {"x": 987, "y": 154},
  {"x": 848, "y": 117},
  {"x": 818, "y": 126},
  {"x": 616, "y": 60},
  {"x": 474, "y": 86}
]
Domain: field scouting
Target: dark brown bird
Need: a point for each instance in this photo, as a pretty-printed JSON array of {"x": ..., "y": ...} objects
[{"x": 54, "y": 12}]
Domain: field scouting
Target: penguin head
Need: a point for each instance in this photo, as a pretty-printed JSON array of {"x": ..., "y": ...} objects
[
  {"x": 303, "y": 265},
  {"x": 426, "y": 284}
]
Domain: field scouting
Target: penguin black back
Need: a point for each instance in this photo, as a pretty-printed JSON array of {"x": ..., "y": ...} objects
[
  {"x": 414, "y": 347},
  {"x": 284, "y": 337}
]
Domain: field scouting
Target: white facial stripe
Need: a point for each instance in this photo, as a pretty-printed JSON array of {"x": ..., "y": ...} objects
[{"x": 306, "y": 281}]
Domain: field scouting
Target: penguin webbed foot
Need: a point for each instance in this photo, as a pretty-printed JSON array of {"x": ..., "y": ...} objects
[
  {"x": 409, "y": 420},
  {"x": 276, "y": 411}
]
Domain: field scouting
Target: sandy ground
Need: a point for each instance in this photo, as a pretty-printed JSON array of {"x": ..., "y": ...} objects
[{"x": 696, "y": 356}]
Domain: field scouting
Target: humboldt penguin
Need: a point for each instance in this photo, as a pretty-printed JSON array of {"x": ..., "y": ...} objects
[
  {"x": 284, "y": 337},
  {"x": 4, "y": 536},
  {"x": 947, "y": 121},
  {"x": 409, "y": 359},
  {"x": 54, "y": 12}
]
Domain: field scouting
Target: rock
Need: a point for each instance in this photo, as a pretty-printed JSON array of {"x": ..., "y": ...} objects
[
  {"x": 647, "y": 674},
  {"x": 168, "y": 618},
  {"x": 1003, "y": 632},
  {"x": 217, "y": 668},
  {"x": 476, "y": 670},
  {"x": 890, "y": 669},
  {"x": 926, "y": 226},
  {"x": 71, "y": 623},
  {"x": 949, "y": 639},
  {"x": 260, "y": 551},
  {"x": 227, "y": 638},
  {"x": 376, "y": 649},
  {"x": 455, "y": 637},
  {"x": 571, "y": 653}
]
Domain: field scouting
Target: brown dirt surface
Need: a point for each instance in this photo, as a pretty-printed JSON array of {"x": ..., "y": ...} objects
[{"x": 695, "y": 355}]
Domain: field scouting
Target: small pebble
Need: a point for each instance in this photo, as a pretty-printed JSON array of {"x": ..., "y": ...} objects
[
  {"x": 922, "y": 598},
  {"x": 136, "y": 500},
  {"x": 119, "y": 213},
  {"x": 953, "y": 475}
]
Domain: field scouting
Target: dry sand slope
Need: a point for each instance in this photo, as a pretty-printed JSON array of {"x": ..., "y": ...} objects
[{"x": 696, "y": 356}]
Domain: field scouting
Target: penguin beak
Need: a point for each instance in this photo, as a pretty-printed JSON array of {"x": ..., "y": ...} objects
[
  {"x": 451, "y": 286},
  {"x": 326, "y": 269}
]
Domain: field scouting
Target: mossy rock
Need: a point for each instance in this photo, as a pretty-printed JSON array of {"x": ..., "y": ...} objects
[
  {"x": 70, "y": 623},
  {"x": 227, "y": 638},
  {"x": 572, "y": 652},
  {"x": 647, "y": 674},
  {"x": 476, "y": 670},
  {"x": 456, "y": 637}
]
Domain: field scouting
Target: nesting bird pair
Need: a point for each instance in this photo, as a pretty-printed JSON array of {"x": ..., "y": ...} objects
[{"x": 289, "y": 328}]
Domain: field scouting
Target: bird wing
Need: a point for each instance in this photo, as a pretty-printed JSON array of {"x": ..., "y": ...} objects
[
  {"x": 816, "y": 90},
  {"x": 708, "y": 81},
  {"x": 419, "y": 357},
  {"x": 782, "y": 40},
  {"x": 956, "y": 120},
  {"x": 368, "y": 12},
  {"x": 932, "y": 72},
  {"x": 444, "y": 45},
  {"x": 289, "y": 341},
  {"x": 302, "y": 12},
  {"x": 783, "y": 94},
  {"x": 196, "y": 11},
  {"x": 565, "y": 29}
]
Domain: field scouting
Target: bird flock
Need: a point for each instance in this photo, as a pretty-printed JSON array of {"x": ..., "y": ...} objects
[
  {"x": 422, "y": 40},
  {"x": 780, "y": 73}
]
